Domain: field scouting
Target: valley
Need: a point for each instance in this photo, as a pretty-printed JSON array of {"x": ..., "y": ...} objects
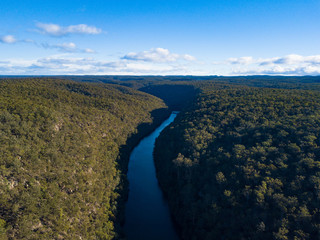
[{"x": 241, "y": 150}]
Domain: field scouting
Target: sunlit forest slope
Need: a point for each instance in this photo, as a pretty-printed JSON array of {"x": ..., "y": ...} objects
[{"x": 60, "y": 173}]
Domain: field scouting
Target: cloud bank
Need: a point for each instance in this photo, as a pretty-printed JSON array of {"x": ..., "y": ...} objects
[
  {"x": 292, "y": 64},
  {"x": 156, "y": 61},
  {"x": 64, "y": 64}
]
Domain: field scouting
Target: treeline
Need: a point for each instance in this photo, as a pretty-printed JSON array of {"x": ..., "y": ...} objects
[
  {"x": 243, "y": 163},
  {"x": 138, "y": 82},
  {"x": 60, "y": 172}
]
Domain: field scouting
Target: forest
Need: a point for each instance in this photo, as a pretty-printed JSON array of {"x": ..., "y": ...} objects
[
  {"x": 60, "y": 172},
  {"x": 243, "y": 163},
  {"x": 240, "y": 161}
]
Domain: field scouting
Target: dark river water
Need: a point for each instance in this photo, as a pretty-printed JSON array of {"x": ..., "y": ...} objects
[{"x": 147, "y": 213}]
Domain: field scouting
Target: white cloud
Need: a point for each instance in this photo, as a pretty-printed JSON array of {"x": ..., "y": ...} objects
[
  {"x": 8, "y": 39},
  {"x": 279, "y": 70},
  {"x": 64, "y": 47},
  {"x": 67, "y": 47},
  {"x": 57, "y": 30},
  {"x": 89, "y": 50},
  {"x": 291, "y": 60},
  {"x": 241, "y": 60},
  {"x": 157, "y": 55},
  {"x": 188, "y": 57}
]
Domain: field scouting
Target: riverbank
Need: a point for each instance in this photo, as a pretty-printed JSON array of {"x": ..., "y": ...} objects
[
  {"x": 143, "y": 130},
  {"x": 147, "y": 213}
]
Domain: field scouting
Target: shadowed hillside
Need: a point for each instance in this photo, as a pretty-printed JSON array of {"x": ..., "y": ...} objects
[{"x": 244, "y": 164}]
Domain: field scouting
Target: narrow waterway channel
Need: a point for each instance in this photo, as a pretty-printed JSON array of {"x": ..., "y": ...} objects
[{"x": 147, "y": 212}]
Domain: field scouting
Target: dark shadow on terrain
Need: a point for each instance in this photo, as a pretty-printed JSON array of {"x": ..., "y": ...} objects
[{"x": 176, "y": 96}]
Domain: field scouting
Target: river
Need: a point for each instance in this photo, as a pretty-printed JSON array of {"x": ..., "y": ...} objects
[{"x": 147, "y": 213}]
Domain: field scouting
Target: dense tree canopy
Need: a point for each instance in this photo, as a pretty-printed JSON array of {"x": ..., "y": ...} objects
[
  {"x": 241, "y": 160},
  {"x": 243, "y": 163},
  {"x": 60, "y": 140}
]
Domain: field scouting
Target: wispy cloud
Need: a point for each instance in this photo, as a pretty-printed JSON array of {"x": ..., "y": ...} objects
[
  {"x": 157, "y": 55},
  {"x": 8, "y": 39},
  {"x": 64, "y": 64},
  {"x": 58, "y": 31},
  {"x": 64, "y": 47},
  {"x": 67, "y": 47},
  {"x": 241, "y": 60}
]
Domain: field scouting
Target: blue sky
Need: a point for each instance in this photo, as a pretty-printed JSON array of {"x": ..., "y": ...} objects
[{"x": 158, "y": 37}]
